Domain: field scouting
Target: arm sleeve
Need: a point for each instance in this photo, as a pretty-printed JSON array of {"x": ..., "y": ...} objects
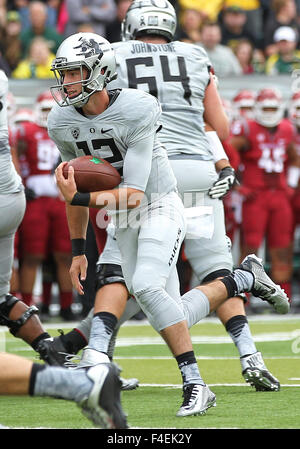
[{"x": 137, "y": 163}]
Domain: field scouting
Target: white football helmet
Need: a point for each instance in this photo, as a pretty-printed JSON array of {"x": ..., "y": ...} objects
[
  {"x": 149, "y": 17},
  {"x": 269, "y": 108},
  {"x": 78, "y": 51},
  {"x": 43, "y": 105}
]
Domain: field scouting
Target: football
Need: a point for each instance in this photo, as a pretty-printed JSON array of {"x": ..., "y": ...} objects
[{"x": 92, "y": 174}]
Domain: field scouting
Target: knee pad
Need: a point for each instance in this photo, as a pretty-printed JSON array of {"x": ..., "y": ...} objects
[
  {"x": 5, "y": 309},
  {"x": 215, "y": 275},
  {"x": 161, "y": 310},
  {"x": 108, "y": 274}
]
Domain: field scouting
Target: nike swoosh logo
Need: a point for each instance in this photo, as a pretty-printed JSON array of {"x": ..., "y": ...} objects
[{"x": 105, "y": 130}]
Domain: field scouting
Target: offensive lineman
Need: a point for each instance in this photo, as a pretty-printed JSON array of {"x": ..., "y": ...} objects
[
  {"x": 149, "y": 219},
  {"x": 178, "y": 74}
]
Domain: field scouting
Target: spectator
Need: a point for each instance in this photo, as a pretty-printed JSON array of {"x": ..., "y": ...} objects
[
  {"x": 244, "y": 54},
  {"x": 234, "y": 27},
  {"x": 4, "y": 65},
  {"x": 209, "y": 10},
  {"x": 38, "y": 63},
  {"x": 252, "y": 60},
  {"x": 222, "y": 58},
  {"x": 286, "y": 58},
  {"x": 10, "y": 41},
  {"x": 3, "y": 11},
  {"x": 190, "y": 26},
  {"x": 113, "y": 29},
  {"x": 23, "y": 8},
  {"x": 259, "y": 61},
  {"x": 253, "y": 10},
  {"x": 62, "y": 18},
  {"x": 38, "y": 19},
  {"x": 283, "y": 13},
  {"x": 98, "y": 13}
]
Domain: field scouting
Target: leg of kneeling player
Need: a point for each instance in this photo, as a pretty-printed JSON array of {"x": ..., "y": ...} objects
[{"x": 96, "y": 391}]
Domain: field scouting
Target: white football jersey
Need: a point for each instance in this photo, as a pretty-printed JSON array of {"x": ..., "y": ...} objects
[
  {"x": 118, "y": 135},
  {"x": 177, "y": 74},
  {"x": 10, "y": 181}
]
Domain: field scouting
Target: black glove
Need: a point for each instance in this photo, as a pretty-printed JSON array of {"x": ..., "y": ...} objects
[
  {"x": 29, "y": 194},
  {"x": 227, "y": 179}
]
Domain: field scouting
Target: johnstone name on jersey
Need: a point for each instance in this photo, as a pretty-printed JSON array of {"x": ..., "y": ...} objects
[{"x": 143, "y": 47}]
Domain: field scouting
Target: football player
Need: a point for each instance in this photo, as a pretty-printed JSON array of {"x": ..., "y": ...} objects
[
  {"x": 45, "y": 223},
  {"x": 266, "y": 149},
  {"x": 96, "y": 391},
  {"x": 243, "y": 104},
  {"x": 294, "y": 171},
  {"x": 147, "y": 212},
  {"x": 177, "y": 73}
]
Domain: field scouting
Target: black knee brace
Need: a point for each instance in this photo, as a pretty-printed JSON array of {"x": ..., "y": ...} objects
[
  {"x": 215, "y": 275},
  {"x": 6, "y": 307},
  {"x": 108, "y": 274},
  {"x": 219, "y": 274}
]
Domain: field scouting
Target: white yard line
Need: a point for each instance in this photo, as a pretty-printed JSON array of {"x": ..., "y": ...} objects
[{"x": 211, "y": 385}]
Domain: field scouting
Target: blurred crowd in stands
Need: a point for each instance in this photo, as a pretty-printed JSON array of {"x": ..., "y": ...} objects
[{"x": 240, "y": 36}]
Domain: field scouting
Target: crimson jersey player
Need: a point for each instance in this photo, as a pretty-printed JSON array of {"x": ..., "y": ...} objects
[
  {"x": 266, "y": 149},
  {"x": 15, "y": 117},
  {"x": 44, "y": 229},
  {"x": 294, "y": 172}
]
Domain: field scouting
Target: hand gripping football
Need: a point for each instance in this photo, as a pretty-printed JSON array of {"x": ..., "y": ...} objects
[{"x": 93, "y": 174}]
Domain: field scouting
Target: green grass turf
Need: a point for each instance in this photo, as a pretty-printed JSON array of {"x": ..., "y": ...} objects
[{"x": 150, "y": 406}]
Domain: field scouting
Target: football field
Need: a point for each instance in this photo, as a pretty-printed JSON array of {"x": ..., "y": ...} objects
[{"x": 141, "y": 353}]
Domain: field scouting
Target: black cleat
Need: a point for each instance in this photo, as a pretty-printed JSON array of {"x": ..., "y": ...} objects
[
  {"x": 103, "y": 405},
  {"x": 53, "y": 351}
]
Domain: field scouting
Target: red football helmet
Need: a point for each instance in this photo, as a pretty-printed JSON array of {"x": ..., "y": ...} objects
[
  {"x": 269, "y": 107},
  {"x": 294, "y": 109},
  {"x": 43, "y": 105},
  {"x": 24, "y": 115},
  {"x": 243, "y": 104}
]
